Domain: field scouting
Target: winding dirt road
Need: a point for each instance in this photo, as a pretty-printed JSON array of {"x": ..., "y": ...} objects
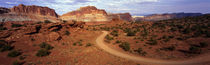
[{"x": 196, "y": 61}]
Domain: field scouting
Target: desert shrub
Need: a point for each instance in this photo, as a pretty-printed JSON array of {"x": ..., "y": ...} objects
[
  {"x": 208, "y": 34},
  {"x": 118, "y": 41},
  {"x": 186, "y": 31},
  {"x": 109, "y": 37},
  {"x": 125, "y": 46},
  {"x": 46, "y": 46},
  {"x": 64, "y": 21},
  {"x": 17, "y": 63},
  {"x": 5, "y": 47},
  {"x": 39, "y": 22},
  {"x": 22, "y": 57},
  {"x": 74, "y": 44},
  {"x": 131, "y": 33},
  {"x": 203, "y": 44},
  {"x": 88, "y": 44},
  {"x": 47, "y": 21},
  {"x": 152, "y": 42},
  {"x": 16, "y": 25},
  {"x": 3, "y": 28},
  {"x": 194, "y": 49},
  {"x": 180, "y": 26},
  {"x": 80, "y": 43},
  {"x": 32, "y": 39},
  {"x": 105, "y": 28},
  {"x": 43, "y": 52},
  {"x": 171, "y": 36},
  {"x": 170, "y": 48},
  {"x": 114, "y": 33},
  {"x": 14, "y": 53},
  {"x": 173, "y": 29},
  {"x": 67, "y": 33},
  {"x": 140, "y": 51}
]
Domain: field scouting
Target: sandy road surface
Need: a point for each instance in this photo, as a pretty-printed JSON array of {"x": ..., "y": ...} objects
[{"x": 196, "y": 61}]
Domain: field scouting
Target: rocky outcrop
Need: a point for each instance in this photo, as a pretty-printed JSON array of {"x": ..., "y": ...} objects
[
  {"x": 38, "y": 10},
  {"x": 4, "y": 10},
  {"x": 28, "y": 13},
  {"x": 157, "y": 17},
  {"x": 122, "y": 16},
  {"x": 86, "y": 14}
]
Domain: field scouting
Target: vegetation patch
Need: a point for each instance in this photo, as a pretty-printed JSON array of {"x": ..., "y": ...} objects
[
  {"x": 16, "y": 25},
  {"x": 152, "y": 42},
  {"x": 14, "y": 53},
  {"x": 125, "y": 46},
  {"x": 43, "y": 52}
]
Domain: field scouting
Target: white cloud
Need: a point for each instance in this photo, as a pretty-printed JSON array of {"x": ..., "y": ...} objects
[
  {"x": 64, "y": 1},
  {"x": 11, "y": 2}
]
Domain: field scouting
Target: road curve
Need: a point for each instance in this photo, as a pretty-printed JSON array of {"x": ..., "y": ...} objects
[{"x": 196, "y": 61}]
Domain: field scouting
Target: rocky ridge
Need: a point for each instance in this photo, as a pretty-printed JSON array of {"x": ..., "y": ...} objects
[{"x": 86, "y": 14}]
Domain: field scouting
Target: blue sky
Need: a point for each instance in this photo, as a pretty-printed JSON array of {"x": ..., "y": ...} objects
[{"x": 119, "y": 6}]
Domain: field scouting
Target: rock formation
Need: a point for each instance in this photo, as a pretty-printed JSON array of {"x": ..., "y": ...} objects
[
  {"x": 122, "y": 16},
  {"x": 4, "y": 10},
  {"x": 28, "y": 13},
  {"x": 157, "y": 17},
  {"x": 38, "y": 10},
  {"x": 86, "y": 14}
]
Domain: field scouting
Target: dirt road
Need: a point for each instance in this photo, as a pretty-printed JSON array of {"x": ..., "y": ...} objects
[{"x": 196, "y": 61}]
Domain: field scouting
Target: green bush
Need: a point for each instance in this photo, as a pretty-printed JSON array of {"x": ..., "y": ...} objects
[
  {"x": 118, "y": 41},
  {"x": 3, "y": 28},
  {"x": 46, "y": 46},
  {"x": 203, "y": 44},
  {"x": 14, "y": 53},
  {"x": 88, "y": 44},
  {"x": 67, "y": 33},
  {"x": 194, "y": 49},
  {"x": 170, "y": 48},
  {"x": 43, "y": 52},
  {"x": 47, "y": 21},
  {"x": 186, "y": 31},
  {"x": 17, "y": 63},
  {"x": 131, "y": 33},
  {"x": 125, "y": 46},
  {"x": 16, "y": 25},
  {"x": 5, "y": 47},
  {"x": 208, "y": 34},
  {"x": 109, "y": 37},
  {"x": 140, "y": 51},
  {"x": 114, "y": 33},
  {"x": 152, "y": 42}
]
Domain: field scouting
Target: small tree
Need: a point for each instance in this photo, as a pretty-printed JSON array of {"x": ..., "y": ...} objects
[
  {"x": 14, "y": 53},
  {"x": 152, "y": 42},
  {"x": 46, "y": 46},
  {"x": 109, "y": 37},
  {"x": 114, "y": 33},
  {"x": 67, "y": 33},
  {"x": 42, "y": 52},
  {"x": 125, "y": 46}
]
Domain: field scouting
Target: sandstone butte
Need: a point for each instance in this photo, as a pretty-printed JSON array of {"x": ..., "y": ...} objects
[
  {"x": 45, "y": 11},
  {"x": 39, "y": 13},
  {"x": 86, "y": 14}
]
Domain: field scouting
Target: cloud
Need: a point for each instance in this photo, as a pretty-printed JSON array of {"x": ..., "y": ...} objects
[{"x": 11, "y": 2}]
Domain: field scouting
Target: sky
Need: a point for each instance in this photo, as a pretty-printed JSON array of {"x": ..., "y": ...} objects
[{"x": 141, "y": 7}]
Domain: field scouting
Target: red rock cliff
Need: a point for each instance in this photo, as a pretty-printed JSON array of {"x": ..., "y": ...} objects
[
  {"x": 4, "y": 10},
  {"x": 86, "y": 14},
  {"x": 45, "y": 11}
]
